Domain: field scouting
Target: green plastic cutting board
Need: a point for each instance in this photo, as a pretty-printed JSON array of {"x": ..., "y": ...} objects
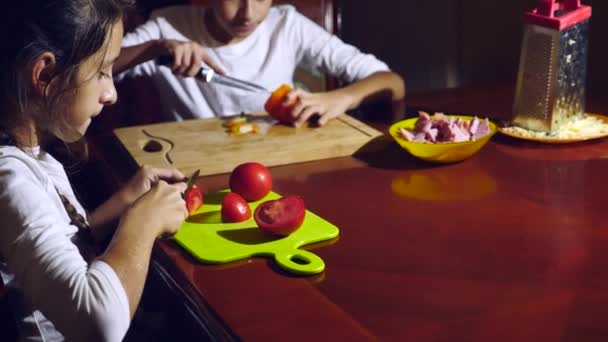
[{"x": 211, "y": 241}]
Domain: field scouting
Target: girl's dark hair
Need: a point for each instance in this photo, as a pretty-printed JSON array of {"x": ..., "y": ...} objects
[{"x": 72, "y": 30}]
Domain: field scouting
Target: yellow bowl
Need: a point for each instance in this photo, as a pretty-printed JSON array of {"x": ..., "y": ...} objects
[{"x": 440, "y": 152}]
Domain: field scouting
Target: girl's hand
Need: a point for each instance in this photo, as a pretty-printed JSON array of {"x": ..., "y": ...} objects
[
  {"x": 145, "y": 179},
  {"x": 160, "y": 211},
  {"x": 187, "y": 57},
  {"x": 327, "y": 105}
]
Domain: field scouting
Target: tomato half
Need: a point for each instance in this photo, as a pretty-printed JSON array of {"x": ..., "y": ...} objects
[
  {"x": 251, "y": 180},
  {"x": 193, "y": 198},
  {"x": 281, "y": 217},
  {"x": 235, "y": 208},
  {"x": 276, "y": 108}
]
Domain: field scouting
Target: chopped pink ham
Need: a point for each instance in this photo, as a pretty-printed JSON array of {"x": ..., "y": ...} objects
[
  {"x": 424, "y": 122},
  {"x": 460, "y": 134},
  {"x": 407, "y": 135},
  {"x": 420, "y": 137},
  {"x": 445, "y": 131},
  {"x": 424, "y": 115},
  {"x": 474, "y": 126},
  {"x": 431, "y": 134},
  {"x": 445, "y": 128},
  {"x": 440, "y": 116},
  {"x": 483, "y": 129}
]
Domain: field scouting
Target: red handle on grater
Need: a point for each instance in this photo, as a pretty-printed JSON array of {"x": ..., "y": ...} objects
[
  {"x": 549, "y": 7},
  {"x": 544, "y": 14}
]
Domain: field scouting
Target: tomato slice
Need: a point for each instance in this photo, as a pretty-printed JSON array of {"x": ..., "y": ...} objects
[
  {"x": 276, "y": 108},
  {"x": 235, "y": 208},
  {"x": 194, "y": 199},
  {"x": 282, "y": 216}
]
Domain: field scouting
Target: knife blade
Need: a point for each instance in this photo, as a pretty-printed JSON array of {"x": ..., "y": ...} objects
[
  {"x": 211, "y": 76},
  {"x": 192, "y": 180},
  {"x": 208, "y": 75}
]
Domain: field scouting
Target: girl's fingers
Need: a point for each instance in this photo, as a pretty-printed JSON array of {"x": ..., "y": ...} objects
[
  {"x": 181, "y": 186},
  {"x": 168, "y": 174}
]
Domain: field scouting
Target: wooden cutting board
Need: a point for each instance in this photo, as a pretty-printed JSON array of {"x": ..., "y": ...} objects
[{"x": 205, "y": 144}]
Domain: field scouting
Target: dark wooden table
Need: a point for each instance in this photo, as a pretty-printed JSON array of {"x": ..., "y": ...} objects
[{"x": 509, "y": 245}]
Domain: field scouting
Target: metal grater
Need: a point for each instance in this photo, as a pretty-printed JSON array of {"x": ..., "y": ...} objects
[{"x": 553, "y": 66}]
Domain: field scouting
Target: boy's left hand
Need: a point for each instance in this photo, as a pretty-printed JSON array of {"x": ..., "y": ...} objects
[
  {"x": 145, "y": 178},
  {"x": 327, "y": 105}
]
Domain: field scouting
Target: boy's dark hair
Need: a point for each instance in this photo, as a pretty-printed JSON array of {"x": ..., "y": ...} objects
[{"x": 72, "y": 30}]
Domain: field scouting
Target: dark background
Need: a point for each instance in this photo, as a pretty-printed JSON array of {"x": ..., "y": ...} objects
[{"x": 448, "y": 43}]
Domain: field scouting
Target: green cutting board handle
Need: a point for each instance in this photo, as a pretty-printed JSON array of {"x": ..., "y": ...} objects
[{"x": 299, "y": 261}]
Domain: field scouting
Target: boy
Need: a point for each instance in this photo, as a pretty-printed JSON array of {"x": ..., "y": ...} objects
[{"x": 253, "y": 41}]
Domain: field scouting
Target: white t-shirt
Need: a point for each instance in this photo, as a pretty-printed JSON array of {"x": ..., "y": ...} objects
[
  {"x": 56, "y": 294},
  {"x": 269, "y": 56}
]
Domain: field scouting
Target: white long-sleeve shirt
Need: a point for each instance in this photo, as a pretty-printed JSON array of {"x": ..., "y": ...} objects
[
  {"x": 56, "y": 294},
  {"x": 269, "y": 56}
]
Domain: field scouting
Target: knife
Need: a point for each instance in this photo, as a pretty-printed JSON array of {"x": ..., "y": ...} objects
[
  {"x": 191, "y": 181},
  {"x": 208, "y": 75}
]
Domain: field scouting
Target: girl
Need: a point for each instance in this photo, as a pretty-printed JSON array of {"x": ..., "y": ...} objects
[
  {"x": 55, "y": 76},
  {"x": 251, "y": 40}
]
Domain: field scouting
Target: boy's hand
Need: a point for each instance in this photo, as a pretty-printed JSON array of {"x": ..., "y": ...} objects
[
  {"x": 326, "y": 105},
  {"x": 187, "y": 57}
]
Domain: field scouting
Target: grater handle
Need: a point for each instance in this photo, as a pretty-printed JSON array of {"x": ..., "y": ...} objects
[{"x": 548, "y": 7}]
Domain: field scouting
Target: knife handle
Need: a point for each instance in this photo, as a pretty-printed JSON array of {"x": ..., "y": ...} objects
[{"x": 165, "y": 60}]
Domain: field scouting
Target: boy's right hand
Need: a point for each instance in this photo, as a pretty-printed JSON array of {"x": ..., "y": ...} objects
[
  {"x": 187, "y": 57},
  {"x": 160, "y": 211}
]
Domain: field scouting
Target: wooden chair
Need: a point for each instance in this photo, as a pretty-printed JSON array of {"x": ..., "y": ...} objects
[{"x": 138, "y": 99}]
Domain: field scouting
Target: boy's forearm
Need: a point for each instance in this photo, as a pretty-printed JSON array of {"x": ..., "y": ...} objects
[
  {"x": 136, "y": 54},
  {"x": 380, "y": 85}
]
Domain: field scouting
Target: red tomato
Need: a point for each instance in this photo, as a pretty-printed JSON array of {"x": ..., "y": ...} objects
[
  {"x": 281, "y": 217},
  {"x": 194, "y": 199},
  {"x": 276, "y": 108},
  {"x": 251, "y": 180},
  {"x": 235, "y": 208}
]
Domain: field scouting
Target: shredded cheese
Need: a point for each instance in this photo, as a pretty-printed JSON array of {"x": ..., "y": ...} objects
[{"x": 580, "y": 128}]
